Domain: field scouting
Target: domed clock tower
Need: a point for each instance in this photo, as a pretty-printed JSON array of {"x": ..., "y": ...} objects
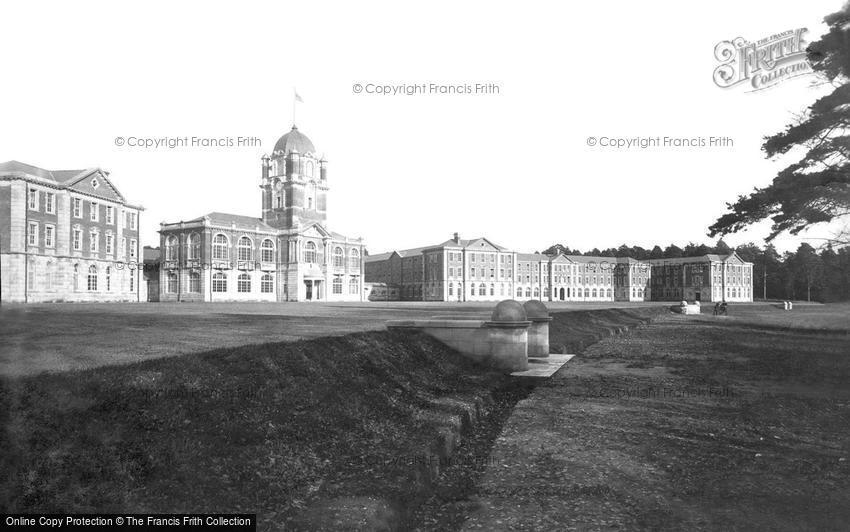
[
  {"x": 287, "y": 254},
  {"x": 294, "y": 183}
]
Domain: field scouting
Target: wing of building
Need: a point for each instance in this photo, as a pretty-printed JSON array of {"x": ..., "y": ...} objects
[
  {"x": 67, "y": 235},
  {"x": 479, "y": 270},
  {"x": 286, "y": 254}
]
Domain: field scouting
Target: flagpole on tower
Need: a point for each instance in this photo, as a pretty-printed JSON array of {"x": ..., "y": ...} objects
[{"x": 295, "y": 99}]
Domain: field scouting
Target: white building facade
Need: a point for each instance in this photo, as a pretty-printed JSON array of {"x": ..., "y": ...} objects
[{"x": 288, "y": 254}]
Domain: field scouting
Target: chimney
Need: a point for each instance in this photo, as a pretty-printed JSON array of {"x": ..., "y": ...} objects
[{"x": 456, "y": 238}]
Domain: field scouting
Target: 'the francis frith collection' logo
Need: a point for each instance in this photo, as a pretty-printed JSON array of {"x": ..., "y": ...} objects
[{"x": 763, "y": 63}]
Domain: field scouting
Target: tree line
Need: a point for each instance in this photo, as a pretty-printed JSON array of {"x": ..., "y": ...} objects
[{"x": 806, "y": 274}]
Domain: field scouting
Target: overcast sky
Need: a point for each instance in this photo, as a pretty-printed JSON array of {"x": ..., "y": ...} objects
[{"x": 410, "y": 170}]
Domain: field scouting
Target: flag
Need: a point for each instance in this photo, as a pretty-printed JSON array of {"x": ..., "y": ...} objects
[{"x": 298, "y": 98}]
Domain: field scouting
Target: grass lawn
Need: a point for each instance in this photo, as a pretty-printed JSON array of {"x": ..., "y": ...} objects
[
  {"x": 61, "y": 337},
  {"x": 690, "y": 423},
  {"x": 280, "y": 429},
  {"x": 813, "y": 317}
]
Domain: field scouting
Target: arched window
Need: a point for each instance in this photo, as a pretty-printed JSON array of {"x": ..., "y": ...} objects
[
  {"x": 243, "y": 283},
  {"x": 244, "y": 248},
  {"x": 528, "y": 293},
  {"x": 339, "y": 257},
  {"x": 193, "y": 247},
  {"x": 171, "y": 248},
  {"x": 594, "y": 293},
  {"x": 108, "y": 278},
  {"x": 337, "y": 284},
  {"x": 219, "y": 282},
  {"x": 587, "y": 292},
  {"x": 492, "y": 290},
  {"x": 482, "y": 290},
  {"x": 267, "y": 284},
  {"x": 608, "y": 293},
  {"x": 195, "y": 282},
  {"x": 268, "y": 250},
  {"x": 219, "y": 248},
  {"x": 519, "y": 292},
  {"x": 310, "y": 252},
  {"x": 640, "y": 292},
  {"x": 354, "y": 286},
  {"x": 354, "y": 259},
  {"x": 92, "y": 278},
  {"x": 171, "y": 283},
  {"x": 536, "y": 293}
]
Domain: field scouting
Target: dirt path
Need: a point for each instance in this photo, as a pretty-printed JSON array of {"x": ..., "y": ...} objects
[{"x": 688, "y": 423}]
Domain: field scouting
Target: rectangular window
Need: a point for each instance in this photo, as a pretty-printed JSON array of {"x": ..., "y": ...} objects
[
  {"x": 32, "y": 234},
  {"x": 123, "y": 250},
  {"x": 33, "y": 273},
  {"x": 109, "y": 244},
  {"x": 171, "y": 283},
  {"x": 195, "y": 283},
  {"x": 49, "y": 231},
  {"x": 267, "y": 284},
  {"x": 78, "y": 207},
  {"x": 133, "y": 248},
  {"x": 93, "y": 241},
  {"x": 133, "y": 220},
  {"x": 243, "y": 283},
  {"x": 33, "y": 199},
  {"x": 132, "y": 280},
  {"x": 93, "y": 213},
  {"x": 110, "y": 215},
  {"x": 50, "y": 203},
  {"x": 78, "y": 240}
]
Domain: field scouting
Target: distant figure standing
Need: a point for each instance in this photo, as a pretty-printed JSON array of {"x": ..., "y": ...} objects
[
  {"x": 717, "y": 308},
  {"x": 723, "y": 308}
]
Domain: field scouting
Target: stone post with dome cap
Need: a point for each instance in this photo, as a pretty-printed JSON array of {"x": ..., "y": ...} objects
[
  {"x": 538, "y": 332},
  {"x": 508, "y": 336}
]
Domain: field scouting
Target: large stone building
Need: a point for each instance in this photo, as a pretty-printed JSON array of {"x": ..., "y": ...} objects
[
  {"x": 704, "y": 278},
  {"x": 287, "y": 254},
  {"x": 480, "y": 270},
  {"x": 66, "y": 235}
]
